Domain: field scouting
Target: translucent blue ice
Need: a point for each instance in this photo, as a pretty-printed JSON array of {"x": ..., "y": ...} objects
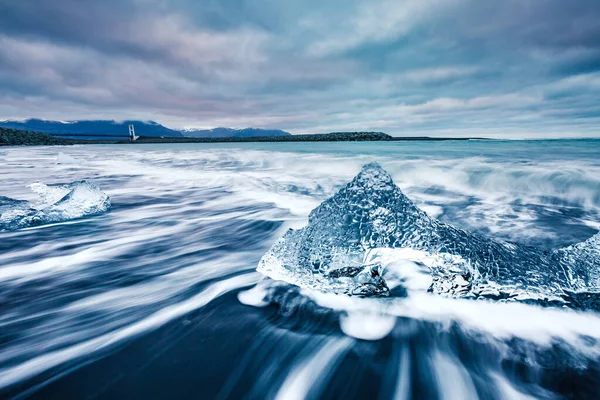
[
  {"x": 371, "y": 212},
  {"x": 57, "y": 203}
]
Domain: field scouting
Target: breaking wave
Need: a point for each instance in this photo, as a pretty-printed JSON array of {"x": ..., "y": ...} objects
[{"x": 57, "y": 203}]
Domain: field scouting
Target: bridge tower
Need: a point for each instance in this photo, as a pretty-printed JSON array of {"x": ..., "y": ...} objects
[{"x": 132, "y": 136}]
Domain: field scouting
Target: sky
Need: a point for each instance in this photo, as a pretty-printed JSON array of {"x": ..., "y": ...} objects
[{"x": 511, "y": 68}]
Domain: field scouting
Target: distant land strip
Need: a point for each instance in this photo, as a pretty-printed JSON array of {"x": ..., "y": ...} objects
[
  {"x": 319, "y": 137},
  {"x": 14, "y": 137}
]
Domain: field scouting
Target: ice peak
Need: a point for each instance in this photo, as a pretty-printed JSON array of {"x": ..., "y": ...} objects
[
  {"x": 373, "y": 177},
  {"x": 367, "y": 197}
]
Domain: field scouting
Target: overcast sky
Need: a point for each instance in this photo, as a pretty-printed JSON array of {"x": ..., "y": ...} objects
[{"x": 511, "y": 68}]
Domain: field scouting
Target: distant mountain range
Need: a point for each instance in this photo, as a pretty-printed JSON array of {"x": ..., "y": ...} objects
[
  {"x": 92, "y": 129},
  {"x": 229, "y": 132},
  {"x": 105, "y": 129}
]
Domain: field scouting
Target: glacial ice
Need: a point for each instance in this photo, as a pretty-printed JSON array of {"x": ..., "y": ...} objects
[
  {"x": 57, "y": 203},
  {"x": 334, "y": 252}
]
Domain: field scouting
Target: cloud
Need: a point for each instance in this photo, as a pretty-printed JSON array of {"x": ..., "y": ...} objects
[{"x": 518, "y": 67}]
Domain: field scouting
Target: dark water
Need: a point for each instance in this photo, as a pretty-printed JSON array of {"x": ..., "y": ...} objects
[{"x": 156, "y": 298}]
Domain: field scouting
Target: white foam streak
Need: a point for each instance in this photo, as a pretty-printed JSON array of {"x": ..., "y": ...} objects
[
  {"x": 454, "y": 382},
  {"x": 402, "y": 391},
  {"x": 47, "y": 361},
  {"x": 312, "y": 374},
  {"x": 59, "y": 264},
  {"x": 498, "y": 320},
  {"x": 507, "y": 391}
]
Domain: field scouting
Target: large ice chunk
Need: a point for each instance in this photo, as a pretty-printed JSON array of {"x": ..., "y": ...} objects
[{"x": 333, "y": 252}]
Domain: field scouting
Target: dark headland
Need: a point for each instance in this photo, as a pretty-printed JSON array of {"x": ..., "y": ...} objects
[{"x": 14, "y": 137}]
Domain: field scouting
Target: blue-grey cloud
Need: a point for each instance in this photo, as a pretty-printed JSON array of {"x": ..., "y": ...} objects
[{"x": 438, "y": 67}]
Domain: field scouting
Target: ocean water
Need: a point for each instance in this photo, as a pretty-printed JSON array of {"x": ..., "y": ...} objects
[{"x": 156, "y": 294}]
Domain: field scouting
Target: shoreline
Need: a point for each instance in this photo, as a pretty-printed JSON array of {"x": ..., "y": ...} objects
[
  {"x": 276, "y": 139},
  {"x": 12, "y": 137}
]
